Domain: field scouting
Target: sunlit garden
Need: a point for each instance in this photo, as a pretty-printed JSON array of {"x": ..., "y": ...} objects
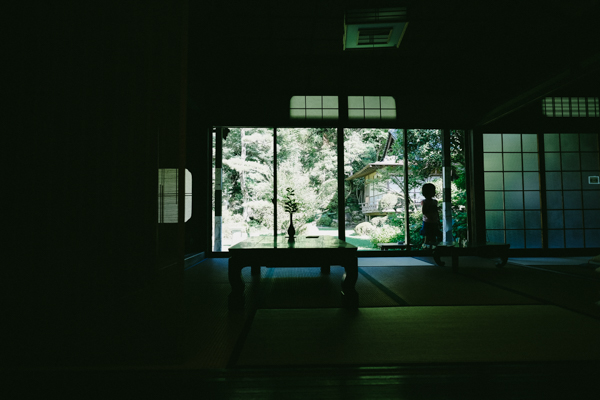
[{"x": 305, "y": 160}]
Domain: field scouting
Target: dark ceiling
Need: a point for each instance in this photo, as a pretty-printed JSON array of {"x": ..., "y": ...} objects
[{"x": 457, "y": 57}]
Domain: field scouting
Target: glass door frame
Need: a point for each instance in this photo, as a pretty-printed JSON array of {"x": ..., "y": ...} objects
[{"x": 340, "y": 177}]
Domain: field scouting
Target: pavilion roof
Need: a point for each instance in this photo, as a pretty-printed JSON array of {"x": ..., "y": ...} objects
[{"x": 372, "y": 167}]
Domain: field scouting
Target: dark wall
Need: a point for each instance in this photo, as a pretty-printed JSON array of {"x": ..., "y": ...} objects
[
  {"x": 99, "y": 107},
  {"x": 199, "y": 163}
]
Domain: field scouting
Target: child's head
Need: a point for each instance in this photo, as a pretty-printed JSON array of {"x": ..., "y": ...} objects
[{"x": 428, "y": 190}]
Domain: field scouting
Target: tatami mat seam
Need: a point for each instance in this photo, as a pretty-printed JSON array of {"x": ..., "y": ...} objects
[
  {"x": 383, "y": 288},
  {"x": 541, "y": 300},
  {"x": 239, "y": 345},
  {"x": 556, "y": 272}
]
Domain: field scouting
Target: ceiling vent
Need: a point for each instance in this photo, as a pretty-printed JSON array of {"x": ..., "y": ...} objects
[{"x": 373, "y": 28}]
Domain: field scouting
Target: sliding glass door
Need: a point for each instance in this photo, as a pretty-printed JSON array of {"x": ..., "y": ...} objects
[
  {"x": 307, "y": 164},
  {"x": 378, "y": 203},
  {"x": 247, "y": 181},
  {"x": 255, "y": 175},
  {"x": 258, "y": 165}
]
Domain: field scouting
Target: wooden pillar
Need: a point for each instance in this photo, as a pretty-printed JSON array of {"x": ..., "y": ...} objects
[
  {"x": 543, "y": 199},
  {"x": 275, "y": 183},
  {"x": 343, "y": 107},
  {"x": 218, "y": 232},
  {"x": 447, "y": 187},
  {"x": 341, "y": 185},
  {"x": 468, "y": 179},
  {"x": 405, "y": 188},
  {"x": 476, "y": 188}
]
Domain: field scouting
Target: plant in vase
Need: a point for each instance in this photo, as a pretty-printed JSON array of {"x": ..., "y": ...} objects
[{"x": 291, "y": 205}]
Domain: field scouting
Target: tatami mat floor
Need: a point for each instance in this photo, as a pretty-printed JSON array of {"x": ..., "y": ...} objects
[
  {"x": 421, "y": 332},
  {"x": 217, "y": 335}
]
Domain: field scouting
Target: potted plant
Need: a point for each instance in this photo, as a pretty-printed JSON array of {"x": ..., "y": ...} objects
[{"x": 291, "y": 205}]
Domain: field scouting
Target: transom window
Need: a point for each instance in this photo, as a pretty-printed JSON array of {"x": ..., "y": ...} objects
[
  {"x": 570, "y": 107},
  {"x": 371, "y": 107},
  {"x": 314, "y": 107},
  {"x": 327, "y": 108}
]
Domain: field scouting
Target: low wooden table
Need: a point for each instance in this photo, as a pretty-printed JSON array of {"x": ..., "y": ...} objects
[
  {"x": 304, "y": 251},
  {"x": 488, "y": 250}
]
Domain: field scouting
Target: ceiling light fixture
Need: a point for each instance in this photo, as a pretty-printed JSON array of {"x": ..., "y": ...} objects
[{"x": 373, "y": 28}]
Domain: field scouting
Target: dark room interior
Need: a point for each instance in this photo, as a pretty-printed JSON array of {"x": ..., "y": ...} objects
[{"x": 100, "y": 298}]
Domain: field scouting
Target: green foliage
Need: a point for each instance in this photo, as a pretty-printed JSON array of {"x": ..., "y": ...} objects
[
  {"x": 415, "y": 224},
  {"x": 261, "y": 212},
  {"x": 352, "y": 204},
  {"x": 324, "y": 221},
  {"x": 388, "y": 202},
  {"x": 361, "y": 147},
  {"x": 378, "y": 221},
  {"x": 425, "y": 159},
  {"x": 291, "y": 205},
  {"x": 332, "y": 207},
  {"x": 386, "y": 234},
  {"x": 425, "y": 153},
  {"x": 364, "y": 228},
  {"x": 459, "y": 213},
  {"x": 459, "y": 226},
  {"x": 396, "y": 219},
  {"x": 307, "y": 164},
  {"x": 232, "y": 222}
]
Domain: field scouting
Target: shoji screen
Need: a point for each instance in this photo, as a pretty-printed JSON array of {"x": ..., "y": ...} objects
[
  {"x": 572, "y": 191},
  {"x": 512, "y": 189}
]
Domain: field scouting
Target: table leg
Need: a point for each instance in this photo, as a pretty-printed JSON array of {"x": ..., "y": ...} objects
[
  {"x": 255, "y": 270},
  {"x": 503, "y": 260},
  {"x": 437, "y": 258},
  {"x": 349, "y": 293},
  {"x": 234, "y": 270}
]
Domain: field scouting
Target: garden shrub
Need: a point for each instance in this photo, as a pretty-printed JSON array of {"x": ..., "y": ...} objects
[
  {"x": 459, "y": 213},
  {"x": 262, "y": 212},
  {"x": 415, "y": 224},
  {"x": 378, "y": 221},
  {"x": 386, "y": 234},
  {"x": 364, "y": 228},
  {"x": 388, "y": 202},
  {"x": 324, "y": 221}
]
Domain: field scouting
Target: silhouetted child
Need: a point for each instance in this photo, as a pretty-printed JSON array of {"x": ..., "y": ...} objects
[{"x": 431, "y": 218}]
